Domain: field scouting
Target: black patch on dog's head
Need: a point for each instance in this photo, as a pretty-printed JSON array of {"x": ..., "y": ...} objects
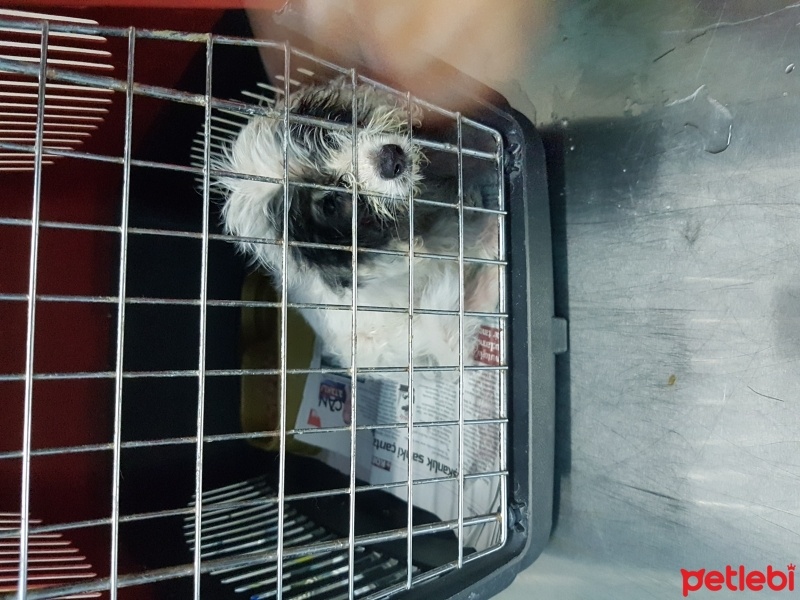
[
  {"x": 325, "y": 217},
  {"x": 331, "y": 104},
  {"x": 320, "y": 106},
  {"x": 328, "y": 106}
]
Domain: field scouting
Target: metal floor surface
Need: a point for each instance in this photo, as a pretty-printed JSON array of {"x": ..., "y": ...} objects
[{"x": 677, "y": 237}]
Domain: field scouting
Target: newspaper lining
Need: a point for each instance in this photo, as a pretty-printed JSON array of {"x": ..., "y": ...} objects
[{"x": 382, "y": 454}]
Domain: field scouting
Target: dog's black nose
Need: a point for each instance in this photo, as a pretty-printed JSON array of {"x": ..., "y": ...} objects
[{"x": 391, "y": 161}]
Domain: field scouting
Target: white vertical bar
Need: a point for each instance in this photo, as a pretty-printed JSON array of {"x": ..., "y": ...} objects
[
  {"x": 25, "y": 500},
  {"x": 351, "y": 534},
  {"x": 460, "y": 345},
  {"x": 123, "y": 264},
  {"x": 284, "y": 325},
  {"x": 201, "y": 392},
  {"x": 410, "y": 455},
  {"x": 503, "y": 309}
]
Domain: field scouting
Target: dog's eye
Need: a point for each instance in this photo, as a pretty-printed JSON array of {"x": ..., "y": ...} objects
[{"x": 330, "y": 204}]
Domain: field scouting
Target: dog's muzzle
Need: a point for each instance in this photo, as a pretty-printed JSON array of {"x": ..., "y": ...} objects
[{"x": 392, "y": 161}]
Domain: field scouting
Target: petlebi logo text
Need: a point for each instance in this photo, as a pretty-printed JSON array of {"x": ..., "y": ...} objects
[{"x": 739, "y": 579}]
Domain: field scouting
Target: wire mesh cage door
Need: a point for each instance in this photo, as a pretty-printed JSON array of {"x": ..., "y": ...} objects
[{"x": 195, "y": 420}]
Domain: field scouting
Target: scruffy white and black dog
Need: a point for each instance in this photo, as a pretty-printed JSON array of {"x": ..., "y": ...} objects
[{"x": 389, "y": 165}]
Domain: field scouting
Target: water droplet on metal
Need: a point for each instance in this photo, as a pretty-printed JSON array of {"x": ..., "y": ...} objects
[
  {"x": 710, "y": 117},
  {"x": 789, "y": 68}
]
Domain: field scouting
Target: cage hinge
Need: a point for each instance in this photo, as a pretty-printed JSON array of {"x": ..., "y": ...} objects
[
  {"x": 518, "y": 516},
  {"x": 512, "y": 158}
]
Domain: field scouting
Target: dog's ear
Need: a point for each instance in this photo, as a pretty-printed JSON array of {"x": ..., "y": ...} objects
[
  {"x": 257, "y": 150},
  {"x": 249, "y": 209}
]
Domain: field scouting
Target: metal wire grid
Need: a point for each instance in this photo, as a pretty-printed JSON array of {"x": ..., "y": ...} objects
[{"x": 44, "y": 73}]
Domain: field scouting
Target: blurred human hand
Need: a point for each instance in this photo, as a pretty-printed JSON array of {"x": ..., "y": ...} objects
[{"x": 405, "y": 41}]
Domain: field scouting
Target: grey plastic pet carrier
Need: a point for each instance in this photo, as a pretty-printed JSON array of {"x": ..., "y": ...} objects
[{"x": 153, "y": 382}]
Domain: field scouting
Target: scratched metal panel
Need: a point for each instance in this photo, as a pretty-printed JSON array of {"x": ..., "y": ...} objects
[{"x": 675, "y": 129}]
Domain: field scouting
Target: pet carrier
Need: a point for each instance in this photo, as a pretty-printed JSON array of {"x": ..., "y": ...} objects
[{"x": 167, "y": 410}]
